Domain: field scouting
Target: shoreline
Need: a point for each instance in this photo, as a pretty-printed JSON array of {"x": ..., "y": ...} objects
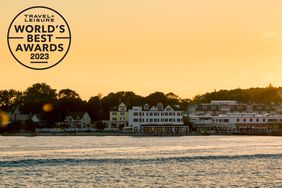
[{"x": 30, "y": 134}]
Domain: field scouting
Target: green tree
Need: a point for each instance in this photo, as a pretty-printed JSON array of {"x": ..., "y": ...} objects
[
  {"x": 36, "y": 96},
  {"x": 155, "y": 98},
  {"x": 94, "y": 108},
  {"x": 68, "y": 94},
  {"x": 10, "y": 99},
  {"x": 69, "y": 100}
]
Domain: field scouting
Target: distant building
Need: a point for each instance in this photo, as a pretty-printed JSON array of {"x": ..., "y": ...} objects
[
  {"x": 37, "y": 118},
  {"x": 78, "y": 120},
  {"x": 157, "y": 119},
  {"x": 232, "y": 121},
  {"x": 217, "y": 107},
  {"x": 18, "y": 116},
  {"x": 118, "y": 118}
]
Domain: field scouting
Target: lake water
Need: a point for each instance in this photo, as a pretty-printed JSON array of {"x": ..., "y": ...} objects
[{"x": 190, "y": 161}]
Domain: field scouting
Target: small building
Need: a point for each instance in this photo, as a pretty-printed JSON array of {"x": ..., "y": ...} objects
[
  {"x": 18, "y": 116},
  {"x": 37, "y": 118},
  {"x": 118, "y": 119},
  {"x": 78, "y": 120}
]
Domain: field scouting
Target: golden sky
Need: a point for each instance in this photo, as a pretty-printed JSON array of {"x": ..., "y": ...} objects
[{"x": 184, "y": 46}]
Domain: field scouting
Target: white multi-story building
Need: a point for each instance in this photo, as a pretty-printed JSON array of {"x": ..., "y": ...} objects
[
  {"x": 156, "y": 116},
  {"x": 217, "y": 107},
  {"x": 235, "y": 120}
]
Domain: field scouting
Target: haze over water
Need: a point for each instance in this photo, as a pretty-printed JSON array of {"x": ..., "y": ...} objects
[{"x": 141, "y": 161}]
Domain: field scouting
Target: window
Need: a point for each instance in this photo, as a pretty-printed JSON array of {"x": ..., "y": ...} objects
[
  {"x": 135, "y": 113},
  {"x": 135, "y": 120},
  {"x": 238, "y": 120}
]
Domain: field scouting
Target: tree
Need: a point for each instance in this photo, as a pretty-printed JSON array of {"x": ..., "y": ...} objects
[
  {"x": 187, "y": 122},
  {"x": 155, "y": 98},
  {"x": 94, "y": 108},
  {"x": 171, "y": 95},
  {"x": 69, "y": 100},
  {"x": 35, "y": 97},
  {"x": 68, "y": 93},
  {"x": 10, "y": 99}
]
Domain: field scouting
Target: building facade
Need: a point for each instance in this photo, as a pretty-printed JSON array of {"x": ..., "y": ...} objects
[
  {"x": 78, "y": 120},
  {"x": 18, "y": 116},
  {"x": 118, "y": 119},
  {"x": 217, "y": 107},
  {"x": 158, "y": 119},
  {"x": 235, "y": 121}
]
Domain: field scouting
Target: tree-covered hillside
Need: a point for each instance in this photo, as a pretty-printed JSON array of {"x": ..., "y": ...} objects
[{"x": 252, "y": 95}]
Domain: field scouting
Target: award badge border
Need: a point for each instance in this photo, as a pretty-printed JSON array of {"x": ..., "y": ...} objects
[{"x": 8, "y": 37}]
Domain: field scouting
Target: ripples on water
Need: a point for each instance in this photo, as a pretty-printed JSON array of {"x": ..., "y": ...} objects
[{"x": 141, "y": 161}]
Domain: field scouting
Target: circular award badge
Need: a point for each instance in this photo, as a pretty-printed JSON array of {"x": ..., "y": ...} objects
[{"x": 39, "y": 38}]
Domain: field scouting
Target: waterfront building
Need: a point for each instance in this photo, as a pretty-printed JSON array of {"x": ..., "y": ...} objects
[
  {"x": 38, "y": 120},
  {"x": 236, "y": 121},
  {"x": 217, "y": 107},
  {"x": 157, "y": 119},
  {"x": 18, "y": 116},
  {"x": 118, "y": 119},
  {"x": 78, "y": 120}
]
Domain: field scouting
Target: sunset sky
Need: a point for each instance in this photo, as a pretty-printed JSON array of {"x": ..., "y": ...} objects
[{"x": 188, "y": 47}]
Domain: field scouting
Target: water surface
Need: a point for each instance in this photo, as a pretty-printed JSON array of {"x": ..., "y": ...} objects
[{"x": 119, "y": 161}]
